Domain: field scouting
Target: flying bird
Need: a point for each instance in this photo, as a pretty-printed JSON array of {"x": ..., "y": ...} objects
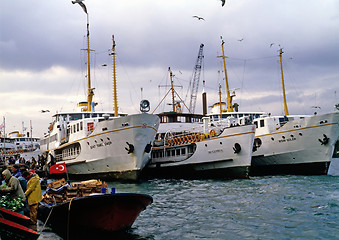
[
  {"x": 240, "y": 40},
  {"x": 44, "y": 111},
  {"x": 81, "y": 4},
  {"x": 223, "y": 2},
  {"x": 271, "y": 44},
  {"x": 199, "y": 18}
]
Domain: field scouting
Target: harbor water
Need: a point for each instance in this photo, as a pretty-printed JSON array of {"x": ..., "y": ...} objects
[{"x": 271, "y": 207}]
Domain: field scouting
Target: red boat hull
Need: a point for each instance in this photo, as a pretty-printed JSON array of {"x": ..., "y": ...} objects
[
  {"x": 15, "y": 217},
  {"x": 98, "y": 213},
  {"x": 12, "y": 231}
]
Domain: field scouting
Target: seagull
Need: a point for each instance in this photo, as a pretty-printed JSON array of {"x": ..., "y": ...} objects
[
  {"x": 240, "y": 40},
  {"x": 271, "y": 44},
  {"x": 199, "y": 18},
  {"x": 81, "y": 4},
  {"x": 223, "y": 2},
  {"x": 44, "y": 111}
]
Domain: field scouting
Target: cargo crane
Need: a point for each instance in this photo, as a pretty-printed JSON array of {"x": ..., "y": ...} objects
[{"x": 194, "y": 83}]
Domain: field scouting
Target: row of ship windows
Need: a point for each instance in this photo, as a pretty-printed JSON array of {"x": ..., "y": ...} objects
[
  {"x": 169, "y": 153},
  {"x": 71, "y": 152}
]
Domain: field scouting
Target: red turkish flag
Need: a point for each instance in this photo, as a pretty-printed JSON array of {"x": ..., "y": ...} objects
[{"x": 57, "y": 168}]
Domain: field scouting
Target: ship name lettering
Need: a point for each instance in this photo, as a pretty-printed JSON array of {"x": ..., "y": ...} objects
[{"x": 215, "y": 151}]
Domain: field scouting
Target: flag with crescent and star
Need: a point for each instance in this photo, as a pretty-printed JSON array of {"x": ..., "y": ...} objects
[{"x": 57, "y": 168}]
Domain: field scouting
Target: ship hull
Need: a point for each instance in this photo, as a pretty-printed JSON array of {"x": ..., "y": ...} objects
[
  {"x": 303, "y": 146},
  {"x": 210, "y": 158},
  {"x": 117, "y": 149}
]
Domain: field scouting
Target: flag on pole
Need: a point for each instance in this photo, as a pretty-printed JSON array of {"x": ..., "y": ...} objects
[
  {"x": 2, "y": 125},
  {"x": 58, "y": 168}
]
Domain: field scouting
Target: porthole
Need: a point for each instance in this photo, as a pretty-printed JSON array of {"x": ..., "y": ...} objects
[
  {"x": 220, "y": 143},
  {"x": 283, "y": 137},
  {"x": 300, "y": 134},
  {"x": 272, "y": 138}
]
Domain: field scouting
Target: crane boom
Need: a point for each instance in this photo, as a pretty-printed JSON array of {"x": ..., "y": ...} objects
[{"x": 194, "y": 84}]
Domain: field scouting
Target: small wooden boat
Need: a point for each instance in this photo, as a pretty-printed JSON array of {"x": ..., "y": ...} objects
[
  {"x": 15, "y": 217},
  {"x": 12, "y": 231},
  {"x": 99, "y": 213}
]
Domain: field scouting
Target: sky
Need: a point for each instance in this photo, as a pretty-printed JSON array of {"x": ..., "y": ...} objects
[{"x": 43, "y": 66}]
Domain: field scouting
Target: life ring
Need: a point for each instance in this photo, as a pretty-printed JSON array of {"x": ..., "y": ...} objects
[
  {"x": 212, "y": 133},
  {"x": 197, "y": 137},
  {"x": 193, "y": 137},
  {"x": 189, "y": 138},
  {"x": 170, "y": 142},
  {"x": 183, "y": 139}
]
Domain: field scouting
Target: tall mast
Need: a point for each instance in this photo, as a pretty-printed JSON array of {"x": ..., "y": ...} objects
[
  {"x": 114, "y": 80},
  {"x": 282, "y": 80},
  {"x": 229, "y": 97},
  {"x": 172, "y": 88},
  {"x": 220, "y": 101},
  {"x": 31, "y": 132},
  {"x": 90, "y": 92}
]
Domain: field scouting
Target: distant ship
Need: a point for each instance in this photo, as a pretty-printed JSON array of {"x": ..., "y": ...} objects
[
  {"x": 289, "y": 144},
  {"x": 18, "y": 144},
  {"x": 104, "y": 145}
]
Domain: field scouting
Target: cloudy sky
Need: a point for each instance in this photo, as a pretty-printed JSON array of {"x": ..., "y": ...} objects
[{"x": 43, "y": 67}]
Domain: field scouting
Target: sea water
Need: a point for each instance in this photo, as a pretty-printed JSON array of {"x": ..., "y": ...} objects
[{"x": 272, "y": 207}]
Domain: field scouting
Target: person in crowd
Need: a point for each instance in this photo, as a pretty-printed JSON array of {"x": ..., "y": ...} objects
[
  {"x": 34, "y": 196},
  {"x": 33, "y": 164},
  {"x": 16, "y": 171},
  {"x": 13, "y": 186}
]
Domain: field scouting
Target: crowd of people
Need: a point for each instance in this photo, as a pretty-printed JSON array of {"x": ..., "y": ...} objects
[{"x": 22, "y": 182}]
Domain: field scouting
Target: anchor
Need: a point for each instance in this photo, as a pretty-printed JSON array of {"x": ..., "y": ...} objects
[
  {"x": 325, "y": 140},
  {"x": 130, "y": 148}
]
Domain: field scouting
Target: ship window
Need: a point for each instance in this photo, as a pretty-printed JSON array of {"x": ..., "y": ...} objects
[
  {"x": 178, "y": 152},
  {"x": 183, "y": 151},
  {"x": 87, "y": 115},
  {"x": 173, "y": 152},
  {"x": 262, "y": 123},
  {"x": 81, "y": 127},
  {"x": 78, "y": 127},
  {"x": 256, "y": 124}
]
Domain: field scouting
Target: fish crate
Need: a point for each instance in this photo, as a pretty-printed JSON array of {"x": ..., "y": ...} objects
[
  {"x": 53, "y": 198},
  {"x": 57, "y": 183}
]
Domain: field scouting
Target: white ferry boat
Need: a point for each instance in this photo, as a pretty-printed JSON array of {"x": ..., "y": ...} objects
[
  {"x": 104, "y": 145},
  {"x": 188, "y": 146},
  {"x": 289, "y": 144}
]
